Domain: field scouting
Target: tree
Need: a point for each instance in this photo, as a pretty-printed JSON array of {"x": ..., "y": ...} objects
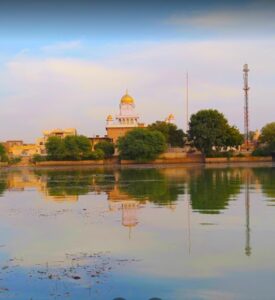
[
  {"x": 268, "y": 133},
  {"x": 141, "y": 145},
  {"x": 3, "y": 153},
  {"x": 234, "y": 137},
  {"x": 107, "y": 147},
  {"x": 55, "y": 148},
  {"x": 69, "y": 148},
  {"x": 267, "y": 138},
  {"x": 174, "y": 136},
  {"x": 209, "y": 128}
]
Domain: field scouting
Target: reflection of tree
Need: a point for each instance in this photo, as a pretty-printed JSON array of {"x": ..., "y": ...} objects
[
  {"x": 266, "y": 177},
  {"x": 211, "y": 191},
  {"x": 3, "y": 186},
  {"x": 74, "y": 182},
  {"x": 149, "y": 184}
]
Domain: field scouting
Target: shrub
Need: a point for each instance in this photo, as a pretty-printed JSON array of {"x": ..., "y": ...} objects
[
  {"x": 38, "y": 158},
  {"x": 96, "y": 155},
  {"x": 261, "y": 151},
  {"x": 108, "y": 148},
  {"x": 14, "y": 160}
]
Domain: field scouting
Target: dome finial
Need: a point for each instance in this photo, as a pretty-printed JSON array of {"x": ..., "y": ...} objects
[{"x": 126, "y": 92}]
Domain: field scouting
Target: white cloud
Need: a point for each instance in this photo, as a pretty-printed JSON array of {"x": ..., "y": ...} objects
[
  {"x": 249, "y": 18},
  {"x": 37, "y": 93},
  {"x": 63, "y": 46}
]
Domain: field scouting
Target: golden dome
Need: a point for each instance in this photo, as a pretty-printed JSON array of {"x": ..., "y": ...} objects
[
  {"x": 109, "y": 118},
  {"x": 127, "y": 99},
  {"x": 171, "y": 117}
]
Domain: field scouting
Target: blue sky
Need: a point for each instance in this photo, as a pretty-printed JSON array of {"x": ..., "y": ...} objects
[{"x": 67, "y": 63}]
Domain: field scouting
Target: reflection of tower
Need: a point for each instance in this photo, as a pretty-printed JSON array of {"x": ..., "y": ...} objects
[
  {"x": 129, "y": 214},
  {"x": 188, "y": 219},
  {"x": 247, "y": 210}
]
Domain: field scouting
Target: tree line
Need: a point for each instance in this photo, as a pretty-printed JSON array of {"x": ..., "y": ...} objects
[{"x": 209, "y": 132}]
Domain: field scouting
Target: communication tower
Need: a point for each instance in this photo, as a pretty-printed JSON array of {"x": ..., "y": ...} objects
[{"x": 246, "y": 112}]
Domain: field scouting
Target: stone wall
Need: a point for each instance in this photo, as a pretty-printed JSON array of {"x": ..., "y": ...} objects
[
  {"x": 110, "y": 161},
  {"x": 212, "y": 160},
  {"x": 171, "y": 158}
]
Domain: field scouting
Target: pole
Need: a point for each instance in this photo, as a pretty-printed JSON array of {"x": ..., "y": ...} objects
[
  {"x": 246, "y": 112},
  {"x": 187, "y": 103}
]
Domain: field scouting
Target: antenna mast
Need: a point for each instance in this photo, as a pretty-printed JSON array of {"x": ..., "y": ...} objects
[
  {"x": 187, "y": 102},
  {"x": 246, "y": 112}
]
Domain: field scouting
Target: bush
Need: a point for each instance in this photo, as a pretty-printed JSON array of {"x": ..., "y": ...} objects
[
  {"x": 108, "y": 148},
  {"x": 227, "y": 154},
  {"x": 97, "y": 155},
  {"x": 240, "y": 155},
  {"x": 261, "y": 151},
  {"x": 38, "y": 158},
  {"x": 14, "y": 160}
]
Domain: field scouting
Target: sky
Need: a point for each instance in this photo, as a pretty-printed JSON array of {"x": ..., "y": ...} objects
[{"x": 66, "y": 64}]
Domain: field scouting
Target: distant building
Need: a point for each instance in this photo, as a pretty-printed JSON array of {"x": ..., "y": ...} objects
[
  {"x": 126, "y": 120},
  {"x": 97, "y": 139},
  {"x": 170, "y": 119},
  {"x": 62, "y": 133},
  {"x": 17, "y": 148}
]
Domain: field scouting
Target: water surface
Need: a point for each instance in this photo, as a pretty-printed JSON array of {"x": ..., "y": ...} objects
[{"x": 170, "y": 233}]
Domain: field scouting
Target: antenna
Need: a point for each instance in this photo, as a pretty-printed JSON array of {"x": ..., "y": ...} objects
[
  {"x": 246, "y": 112},
  {"x": 187, "y": 103}
]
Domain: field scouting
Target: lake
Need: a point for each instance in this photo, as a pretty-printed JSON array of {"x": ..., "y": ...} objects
[{"x": 138, "y": 233}]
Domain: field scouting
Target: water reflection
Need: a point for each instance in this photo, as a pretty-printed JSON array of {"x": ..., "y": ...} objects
[
  {"x": 84, "y": 215},
  {"x": 210, "y": 190}
]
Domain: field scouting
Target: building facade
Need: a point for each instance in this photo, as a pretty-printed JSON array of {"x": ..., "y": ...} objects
[
  {"x": 62, "y": 133},
  {"x": 127, "y": 119}
]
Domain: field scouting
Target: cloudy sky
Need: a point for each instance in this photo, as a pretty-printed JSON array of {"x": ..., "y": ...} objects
[{"x": 67, "y": 63}]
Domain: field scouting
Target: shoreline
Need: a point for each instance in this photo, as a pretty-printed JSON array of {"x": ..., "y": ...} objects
[{"x": 219, "y": 164}]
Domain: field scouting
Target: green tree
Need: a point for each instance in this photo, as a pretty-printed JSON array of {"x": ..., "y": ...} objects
[
  {"x": 234, "y": 137},
  {"x": 141, "y": 145},
  {"x": 268, "y": 133},
  {"x": 174, "y": 136},
  {"x": 209, "y": 128},
  {"x": 107, "y": 147},
  {"x": 267, "y": 140},
  {"x": 3, "y": 153},
  {"x": 69, "y": 148},
  {"x": 55, "y": 148}
]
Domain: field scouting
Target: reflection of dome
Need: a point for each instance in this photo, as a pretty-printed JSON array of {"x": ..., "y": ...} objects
[
  {"x": 109, "y": 118},
  {"x": 127, "y": 99}
]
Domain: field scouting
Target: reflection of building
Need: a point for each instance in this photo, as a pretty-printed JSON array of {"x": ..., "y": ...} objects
[
  {"x": 62, "y": 133},
  {"x": 129, "y": 213},
  {"x": 119, "y": 201},
  {"x": 126, "y": 120},
  {"x": 19, "y": 181}
]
